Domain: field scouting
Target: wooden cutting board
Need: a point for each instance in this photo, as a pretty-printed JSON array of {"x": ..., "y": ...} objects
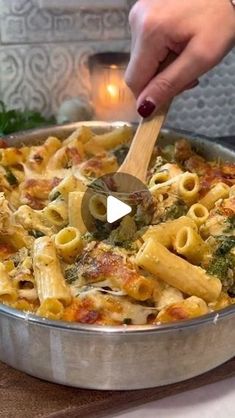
[{"x": 23, "y": 396}]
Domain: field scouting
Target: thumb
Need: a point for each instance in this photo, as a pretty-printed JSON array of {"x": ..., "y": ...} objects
[{"x": 182, "y": 72}]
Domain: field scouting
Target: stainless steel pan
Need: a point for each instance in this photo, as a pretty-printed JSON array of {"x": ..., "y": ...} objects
[{"x": 116, "y": 358}]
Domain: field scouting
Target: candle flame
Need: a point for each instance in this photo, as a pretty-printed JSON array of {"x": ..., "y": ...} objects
[{"x": 112, "y": 90}]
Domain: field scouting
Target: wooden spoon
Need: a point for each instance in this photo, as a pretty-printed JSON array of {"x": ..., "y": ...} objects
[{"x": 139, "y": 155}]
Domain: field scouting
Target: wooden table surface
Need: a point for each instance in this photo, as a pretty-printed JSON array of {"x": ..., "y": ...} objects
[{"x": 23, "y": 396}]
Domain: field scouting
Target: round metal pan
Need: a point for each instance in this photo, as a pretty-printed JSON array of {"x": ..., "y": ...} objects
[{"x": 117, "y": 358}]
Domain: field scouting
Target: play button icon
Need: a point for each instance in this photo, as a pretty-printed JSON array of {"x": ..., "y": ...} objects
[
  {"x": 116, "y": 209},
  {"x": 113, "y": 198}
]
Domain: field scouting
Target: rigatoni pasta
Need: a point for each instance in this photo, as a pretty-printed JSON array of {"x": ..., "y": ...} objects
[
  {"x": 68, "y": 243},
  {"x": 219, "y": 191},
  {"x": 198, "y": 213},
  {"x": 190, "y": 279},
  {"x": 166, "y": 232},
  {"x": 190, "y": 244},
  {"x": 48, "y": 273},
  {"x": 188, "y": 187},
  {"x": 75, "y": 211}
]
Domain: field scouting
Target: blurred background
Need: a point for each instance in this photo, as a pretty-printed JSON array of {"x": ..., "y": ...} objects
[{"x": 48, "y": 63}]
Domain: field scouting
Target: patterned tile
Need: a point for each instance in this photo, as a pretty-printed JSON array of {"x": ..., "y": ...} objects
[
  {"x": 24, "y": 21},
  {"x": 43, "y": 76},
  {"x": 209, "y": 108}
]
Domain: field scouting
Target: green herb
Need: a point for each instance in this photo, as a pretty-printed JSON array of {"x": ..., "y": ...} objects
[
  {"x": 223, "y": 268},
  {"x": 230, "y": 224},
  {"x": 87, "y": 236},
  {"x": 16, "y": 120},
  {"x": 175, "y": 211},
  {"x": 36, "y": 233},
  {"x": 226, "y": 244},
  {"x": 11, "y": 178},
  {"x": 219, "y": 267},
  {"x": 127, "y": 321},
  {"x": 102, "y": 230},
  {"x": 71, "y": 274},
  {"x": 158, "y": 163},
  {"x": 121, "y": 153},
  {"x": 55, "y": 196},
  {"x": 222, "y": 264},
  {"x": 168, "y": 152},
  {"x": 124, "y": 234}
]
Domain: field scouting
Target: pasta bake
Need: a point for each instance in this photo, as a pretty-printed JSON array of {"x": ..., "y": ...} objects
[{"x": 178, "y": 266}]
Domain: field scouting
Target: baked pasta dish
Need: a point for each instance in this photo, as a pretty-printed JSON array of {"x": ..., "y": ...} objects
[{"x": 179, "y": 266}]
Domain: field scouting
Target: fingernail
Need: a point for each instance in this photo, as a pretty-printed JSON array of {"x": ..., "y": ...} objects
[{"x": 146, "y": 108}]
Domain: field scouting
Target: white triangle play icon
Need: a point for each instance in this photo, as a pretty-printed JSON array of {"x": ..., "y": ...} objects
[{"x": 116, "y": 209}]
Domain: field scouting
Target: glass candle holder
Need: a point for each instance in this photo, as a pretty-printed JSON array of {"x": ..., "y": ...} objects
[{"x": 112, "y": 99}]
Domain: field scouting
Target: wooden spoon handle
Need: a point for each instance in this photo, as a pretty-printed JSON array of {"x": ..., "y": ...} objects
[{"x": 140, "y": 152}]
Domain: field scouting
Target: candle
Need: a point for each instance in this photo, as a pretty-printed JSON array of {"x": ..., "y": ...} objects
[{"x": 112, "y": 99}]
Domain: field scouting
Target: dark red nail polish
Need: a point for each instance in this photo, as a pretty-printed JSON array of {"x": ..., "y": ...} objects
[{"x": 146, "y": 108}]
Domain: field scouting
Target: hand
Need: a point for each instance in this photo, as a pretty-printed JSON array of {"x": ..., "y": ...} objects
[{"x": 200, "y": 32}]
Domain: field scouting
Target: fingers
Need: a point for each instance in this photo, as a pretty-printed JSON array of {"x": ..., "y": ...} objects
[
  {"x": 146, "y": 52},
  {"x": 191, "y": 86},
  {"x": 143, "y": 64},
  {"x": 190, "y": 64}
]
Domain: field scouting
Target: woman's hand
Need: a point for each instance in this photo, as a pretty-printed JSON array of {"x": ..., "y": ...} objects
[{"x": 200, "y": 32}]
